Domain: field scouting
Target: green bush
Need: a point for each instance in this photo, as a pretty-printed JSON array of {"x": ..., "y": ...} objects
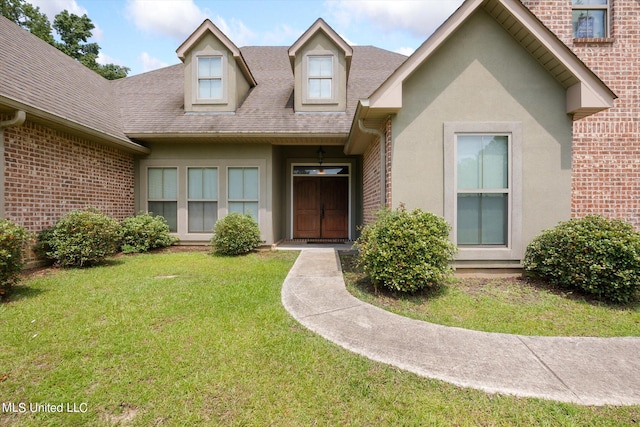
[
  {"x": 144, "y": 232},
  {"x": 406, "y": 251},
  {"x": 12, "y": 240},
  {"x": 235, "y": 234},
  {"x": 598, "y": 256},
  {"x": 82, "y": 238}
]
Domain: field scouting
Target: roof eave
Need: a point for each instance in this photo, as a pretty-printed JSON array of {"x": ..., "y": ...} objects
[{"x": 72, "y": 126}]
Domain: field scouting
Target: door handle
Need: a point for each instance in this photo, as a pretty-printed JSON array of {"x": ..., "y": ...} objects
[{"x": 322, "y": 212}]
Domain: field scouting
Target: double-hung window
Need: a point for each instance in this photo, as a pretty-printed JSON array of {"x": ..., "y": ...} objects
[
  {"x": 202, "y": 203},
  {"x": 483, "y": 190},
  {"x": 210, "y": 78},
  {"x": 162, "y": 194},
  {"x": 590, "y": 18},
  {"x": 243, "y": 195},
  {"x": 320, "y": 77}
]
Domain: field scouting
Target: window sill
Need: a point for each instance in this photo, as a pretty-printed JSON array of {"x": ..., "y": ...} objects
[{"x": 594, "y": 40}]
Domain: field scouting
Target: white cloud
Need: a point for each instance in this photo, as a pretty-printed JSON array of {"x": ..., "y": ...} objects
[
  {"x": 420, "y": 18},
  {"x": 175, "y": 18},
  {"x": 104, "y": 59},
  {"x": 52, "y": 7},
  {"x": 407, "y": 51},
  {"x": 179, "y": 18},
  {"x": 150, "y": 63},
  {"x": 236, "y": 30}
]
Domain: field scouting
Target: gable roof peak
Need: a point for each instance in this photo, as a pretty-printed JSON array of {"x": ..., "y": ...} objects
[
  {"x": 208, "y": 27},
  {"x": 586, "y": 93},
  {"x": 320, "y": 26}
]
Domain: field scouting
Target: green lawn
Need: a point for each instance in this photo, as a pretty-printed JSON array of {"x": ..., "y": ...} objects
[
  {"x": 192, "y": 339},
  {"x": 505, "y": 305}
]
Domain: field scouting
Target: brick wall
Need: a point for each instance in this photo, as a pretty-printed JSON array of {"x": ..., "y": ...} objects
[
  {"x": 606, "y": 148},
  {"x": 372, "y": 176},
  {"x": 48, "y": 173}
]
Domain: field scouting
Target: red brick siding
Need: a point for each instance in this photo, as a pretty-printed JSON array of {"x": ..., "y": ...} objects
[
  {"x": 48, "y": 173},
  {"x": 388, "y": 135},
  {"x": 372, "y": 174},
  {"x": 606, "y": 146}
]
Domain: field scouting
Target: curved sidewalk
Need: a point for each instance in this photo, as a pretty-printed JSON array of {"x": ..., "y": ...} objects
[{"x": 587, "y": 371}]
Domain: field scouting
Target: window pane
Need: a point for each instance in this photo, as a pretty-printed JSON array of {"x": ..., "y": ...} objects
[
  {"x": 203, "y": 183},
  {"x": 251, "y": 183},
  {"x": 195, "y": 183},
  {"x": 494, "y": 219},
  {"x": 589, "y": 2},
  {"x": 210, "y": 89},
  {"x": 495, "y": 162},
  {"x": 482, "y": 219},
  {"x": 169, "y": 210},
  {"x": 483, "y": 162},
  {"x": 319, "y": 88},
  {"x": 210, "y": 67},
  {"x": 154, "y": 183},
  {"x": 202, "y": 216},
  {"x": 210, "y": 178},
  {"x": 469, "y": 161},
  {"x": 235, "y": 183},
  {"x": 589, "y": 23},
  {"x": 320, "y": 66},
  {"x": 246, "y": 208},
  {"x": 162, "y": 183},
  {"x": 170, "y": 183},
  {"x": 243, "y": 183}
]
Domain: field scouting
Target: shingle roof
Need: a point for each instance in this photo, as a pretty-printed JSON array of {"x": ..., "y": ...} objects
[
  {"x": 50, "y": 85},
  {"x": 152, "y": 103}
]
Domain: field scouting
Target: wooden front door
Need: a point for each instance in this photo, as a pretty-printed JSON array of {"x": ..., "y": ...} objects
[{"x": 320, "y": 207}]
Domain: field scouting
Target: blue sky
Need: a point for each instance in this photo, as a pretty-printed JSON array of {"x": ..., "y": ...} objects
[{"x": 144, "y": 34}]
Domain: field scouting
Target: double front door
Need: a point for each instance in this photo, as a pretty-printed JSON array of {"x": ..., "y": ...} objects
[{"x": 320, "y": 207}]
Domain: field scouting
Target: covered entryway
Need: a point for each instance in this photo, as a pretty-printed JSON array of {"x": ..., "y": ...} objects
[{"x": 321, "y": 205}]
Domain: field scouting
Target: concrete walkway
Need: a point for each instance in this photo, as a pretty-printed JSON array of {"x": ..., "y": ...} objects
[{"x": 587, "y": 371}]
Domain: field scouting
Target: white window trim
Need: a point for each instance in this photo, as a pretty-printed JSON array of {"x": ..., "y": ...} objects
[
  {"x": 607, "y": 16},
  {"x": 225, "y": 78},
  {"x": 306, "y": 99},
  {"x": 513, "y": 249}
]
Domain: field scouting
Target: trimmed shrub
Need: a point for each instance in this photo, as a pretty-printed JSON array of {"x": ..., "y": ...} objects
[
  {"x": 406, "y": 251},
  {"x": 12, "y": 240},
  {"x": 82, "y": 238},
  {"x": 144, "y": 232},
  {"x": 596, "y": 255},
  {"x": 235, "y": 234}
]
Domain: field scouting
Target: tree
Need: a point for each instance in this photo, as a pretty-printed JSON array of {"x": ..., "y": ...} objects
[
  {"x": 73, "y": 31},
  {"x": 28, "y": 17}
]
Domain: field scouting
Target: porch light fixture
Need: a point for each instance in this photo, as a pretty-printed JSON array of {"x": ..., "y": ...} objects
[{"x": 320, "y": 153}]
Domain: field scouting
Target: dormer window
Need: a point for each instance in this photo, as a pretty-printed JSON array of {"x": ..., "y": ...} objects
[
  {"x": 210, "y": 77},
  {"x": 320, "y": 61},
  {"x": 320, "y": 77}
]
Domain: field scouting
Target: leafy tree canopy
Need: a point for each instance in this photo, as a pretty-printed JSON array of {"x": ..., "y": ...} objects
[{"x": 73, "y": 30}]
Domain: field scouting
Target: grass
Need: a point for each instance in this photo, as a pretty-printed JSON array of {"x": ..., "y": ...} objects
[
  {"x": 506, "y": 305},
  {"x": 193, "y": 339}
]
